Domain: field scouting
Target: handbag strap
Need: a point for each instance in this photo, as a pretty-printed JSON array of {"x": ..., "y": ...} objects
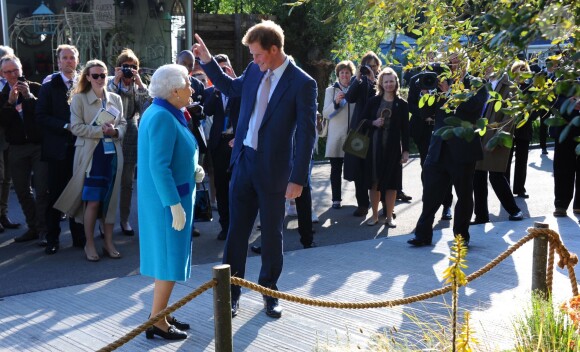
[{"x": 360, "y": 124}]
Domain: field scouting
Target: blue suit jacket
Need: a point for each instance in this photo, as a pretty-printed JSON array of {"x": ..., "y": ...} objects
[{"x": 291, "y": 112}]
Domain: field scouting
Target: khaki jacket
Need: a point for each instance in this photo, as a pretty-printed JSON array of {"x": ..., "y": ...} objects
[{"x": 84, "y": 107}]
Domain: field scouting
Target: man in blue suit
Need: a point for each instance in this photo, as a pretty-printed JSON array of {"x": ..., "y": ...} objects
[{"x": 272, "y": 149}]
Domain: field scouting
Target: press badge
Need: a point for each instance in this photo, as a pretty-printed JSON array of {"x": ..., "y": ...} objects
[{"x": 108, "y": 146}]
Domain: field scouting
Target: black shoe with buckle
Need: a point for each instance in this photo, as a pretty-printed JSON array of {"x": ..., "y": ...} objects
[
  {"x": 517, "y": 216},
  {"x": 178, "y": 324},
  {"x": 401, "y": 196},
  {"x": 7, "y": 223},
  {"x": 272, "y": 307},
  {"x": 172, "y": 333}
]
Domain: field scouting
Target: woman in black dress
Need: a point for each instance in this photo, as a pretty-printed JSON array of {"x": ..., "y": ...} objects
[{"x": 387, "y": 115}]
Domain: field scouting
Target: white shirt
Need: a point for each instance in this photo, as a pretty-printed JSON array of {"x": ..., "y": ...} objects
[{"x": 274, "y": 79}]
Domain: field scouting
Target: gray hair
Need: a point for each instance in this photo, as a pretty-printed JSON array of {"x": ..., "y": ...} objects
[
  {"x": 166, "y": 79},
  {"x": 6, "y": 50}
]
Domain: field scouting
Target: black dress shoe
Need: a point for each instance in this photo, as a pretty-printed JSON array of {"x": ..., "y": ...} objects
[
  {"x": 235, "y": 307},
  {"x": 127, "y": 232},
  {"x": 517, "y": 216},
  {"x": 222, "y": 235},
  {"x": 256, "y": 249},
  {"x": 479, "y": 221},
  {"x": 418, "y": 243},
  {"x": 544, "y": 151},
  {"x": 523, "y": 195},
  {"x": 401, "y": 196},
  {"x": 272, "y": 307},
  {"x": 178, "y": 324},
  {"x": 6, "y": 223},
  {"x": 172, "y": 333},
  {"x": 51, "y": 248},
  {"x": 446, "y": 215},
  {"x": 311, "y": 245},
  {"x": 361, "y": 211}
]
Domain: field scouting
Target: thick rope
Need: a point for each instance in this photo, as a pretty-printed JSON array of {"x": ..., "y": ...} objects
[
  {"x": 567, "y": 259},
  {"x": 167, "y": 311}
]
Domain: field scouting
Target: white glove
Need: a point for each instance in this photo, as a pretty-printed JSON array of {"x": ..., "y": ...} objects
[
  {"x": 178, "y": 215},
  {"x": 199, "y": 174}
]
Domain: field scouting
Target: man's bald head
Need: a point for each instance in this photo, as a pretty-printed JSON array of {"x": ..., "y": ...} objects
[{"x": 186, "y": 58}]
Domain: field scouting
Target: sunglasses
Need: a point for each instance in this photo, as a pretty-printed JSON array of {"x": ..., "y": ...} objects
[
  {"x": 134, "y": 67},
  {"x": 97, "y": 75}
]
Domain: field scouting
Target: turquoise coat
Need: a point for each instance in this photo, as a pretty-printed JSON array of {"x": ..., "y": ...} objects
[{"x": 166, "y": 161}]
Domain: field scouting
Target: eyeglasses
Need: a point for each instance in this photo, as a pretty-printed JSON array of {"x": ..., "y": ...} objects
[
  {"x": 97, "y": 75},
  {"x": 134, "y": 67},
  {"x": 11, "y": 72}
]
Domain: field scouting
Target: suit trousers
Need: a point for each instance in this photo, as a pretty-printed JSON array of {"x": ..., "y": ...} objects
[
  {"x": 521, "y": 148},
  {"x": 566, "y": 174},
  {"x": 126, "y": 194},
  {"x": 247, "y": 196},
  {"x": 500, "y": 187},
  {"x": 24, "y": 162},
  {"x": 438, "y": 177},
  {"x": 304, "y": 210},
  {"x": 59, "y": 174},
  {"x": 336, "y": 178},
  {"x": 221, "y": 156},
  {"x": 5, "y": 179}
]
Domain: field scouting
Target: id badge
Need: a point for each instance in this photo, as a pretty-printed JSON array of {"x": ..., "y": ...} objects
[{"x": 108, "y": 146}]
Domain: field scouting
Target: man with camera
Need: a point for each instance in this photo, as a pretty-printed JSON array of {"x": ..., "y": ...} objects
[
  {"x": 423, "y": 119},
  {"x": 128, "y": 84},
  {"x": 451, "y": 161},
  {"x": 17, "y": 116}
]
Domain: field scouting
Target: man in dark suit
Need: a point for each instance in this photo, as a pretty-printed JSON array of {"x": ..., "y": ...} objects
[
  {"x": 451, "y": 162},
  {"x": 225, "y": 113},
  {"x": 53, "y": 114},
  {"x": 272, "y": 149}
]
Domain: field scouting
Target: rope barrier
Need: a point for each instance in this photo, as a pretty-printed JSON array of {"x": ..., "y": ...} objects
[{"x": 567, "y": 259}]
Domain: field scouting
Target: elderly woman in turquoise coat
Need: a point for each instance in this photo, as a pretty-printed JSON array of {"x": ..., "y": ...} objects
[{"x": 167, "y": 163}]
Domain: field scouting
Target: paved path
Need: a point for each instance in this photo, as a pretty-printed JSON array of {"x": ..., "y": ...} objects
[{"x": 63, "y": 303}]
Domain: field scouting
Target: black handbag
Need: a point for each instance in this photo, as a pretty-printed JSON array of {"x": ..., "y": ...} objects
[
  {"x": 357, "y": 143},
  {"x": 202, "y": 209}
]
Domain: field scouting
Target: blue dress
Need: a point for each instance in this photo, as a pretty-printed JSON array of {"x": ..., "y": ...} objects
[{"x": 166, "y": 160}]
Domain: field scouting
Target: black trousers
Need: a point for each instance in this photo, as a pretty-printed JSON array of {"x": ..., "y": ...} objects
[
  {"x": 543, "y": 131},
  {"x": 566, "y": 174},
  {"x": 304, "y": 210},
  {"x": 500, "y": 187},
  {"x": 438, "y": 177},
  {"x": 59, "y": 174},
  {"x": 336, "y": 178},
  {"x": 361, "y": 192},
  {"x": 221, "y": 161},
  {"x": 521, "y": 148}
]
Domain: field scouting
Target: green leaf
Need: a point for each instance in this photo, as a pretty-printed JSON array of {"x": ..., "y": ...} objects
[
  {"x": 468, "y": 134},
  {"x": 482, "y": 131},
  {"x": 506, "y": 139},
  {"x": 458, "y": 132},
  {"x": 447, "y": 134},
  {"x": 405, "y": 44},
  {"x": 492, "y": 143},
  {"x": 422, "y": 100},
  {"x": 417, "y": 32},
  {"x": 555, "y": 122},
  {"x": 453, "y": 121},
  {"x": 522, "y": 122},
  {"x": 575, "y": 121},
  {"x": 497, "y": 106},
  {"x": 481, "y": 123},
  {"x": 431, "y": 100},
  {"x": 564, "y": 133}
]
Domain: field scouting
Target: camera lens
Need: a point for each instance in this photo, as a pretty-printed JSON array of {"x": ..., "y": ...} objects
[
  {"x": 364, "y": 70},
  {"x": 127, "y": 73}
]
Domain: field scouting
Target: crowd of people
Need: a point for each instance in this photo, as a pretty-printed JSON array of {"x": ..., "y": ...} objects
[{"x": 79, "y": 137}]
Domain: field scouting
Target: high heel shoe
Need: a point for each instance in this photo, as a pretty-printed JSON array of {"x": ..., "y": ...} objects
[
  {"x": 91, "y": 258},
  {"x": 127, "y": 232},
  {"x": 172, "y": 333},
  {"x": 112, "y": 255}
]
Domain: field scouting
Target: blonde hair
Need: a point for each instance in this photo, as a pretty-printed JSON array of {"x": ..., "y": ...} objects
[
  {"x": 266, "y": 33},
  {"x": 83, "y": 84},
  {"x": 387, "y": 72}
]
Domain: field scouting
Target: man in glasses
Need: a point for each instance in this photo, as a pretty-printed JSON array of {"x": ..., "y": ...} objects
[
  {"x": 18, "y": 103},
  {"x": 128, "y": 84},
  {"x": 53, "y": 113}
]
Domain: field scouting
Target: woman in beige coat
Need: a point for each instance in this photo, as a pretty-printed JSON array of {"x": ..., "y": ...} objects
[
  {"x": 338, "y": 113},
  {"x": 93, "y": 191}
]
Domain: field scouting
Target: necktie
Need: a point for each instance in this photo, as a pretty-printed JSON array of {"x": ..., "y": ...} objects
[
  {"x": 187, "y": 115},
  {"x": 262, "y": 104},
  {"x": 69, "y": 84}
]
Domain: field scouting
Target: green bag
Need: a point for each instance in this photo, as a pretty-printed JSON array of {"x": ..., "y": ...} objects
[{"x": 357, "y": 143}]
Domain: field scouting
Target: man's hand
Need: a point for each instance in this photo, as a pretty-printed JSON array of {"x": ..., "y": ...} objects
[
  {"x": 24, "y": 89},
  {"x": 231, "y": 142},
  {"x": 293, "y": 190},
  {"x": 200, "y": 50},
  {"x": 13, "y": 95},
  {"x": 404, "y": 157},
  {"x": 118, "y": 75}
]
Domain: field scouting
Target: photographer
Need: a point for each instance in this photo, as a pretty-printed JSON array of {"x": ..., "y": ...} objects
[
  {"x": 451, "y": 161},
  {"x": 361, "y": 89},
  {"x": 128, "y": 84},
  {"x": 423, "y": 119}
]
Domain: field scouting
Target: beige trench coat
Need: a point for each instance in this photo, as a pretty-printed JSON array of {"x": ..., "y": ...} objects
[
  {"x": 84, "y": 107},
  {"x": 338, "y": 125}
]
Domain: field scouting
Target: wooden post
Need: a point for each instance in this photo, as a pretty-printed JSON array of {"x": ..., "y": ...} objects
[
  {"x": 540, "y": 262},
  {"x": 222, "y": 309}
]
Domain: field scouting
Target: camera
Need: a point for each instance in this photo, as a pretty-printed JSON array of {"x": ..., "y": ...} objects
[
  {"x": 22, "y": 79},
  {"x": 429, "y": 78},
  {"x": 365, "y": 70},
  {"x": 127, "y": 73},
  {"x": 428, "y": 81}
]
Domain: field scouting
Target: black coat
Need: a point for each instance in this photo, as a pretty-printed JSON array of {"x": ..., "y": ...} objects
[
  {"x": 387, "y": 158},
  {"x": 20, "y": 129},
  {"x": 359, "y": 92},
  {"x": 52, "y": 113},
  {"x": 213, "y": 106}
]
